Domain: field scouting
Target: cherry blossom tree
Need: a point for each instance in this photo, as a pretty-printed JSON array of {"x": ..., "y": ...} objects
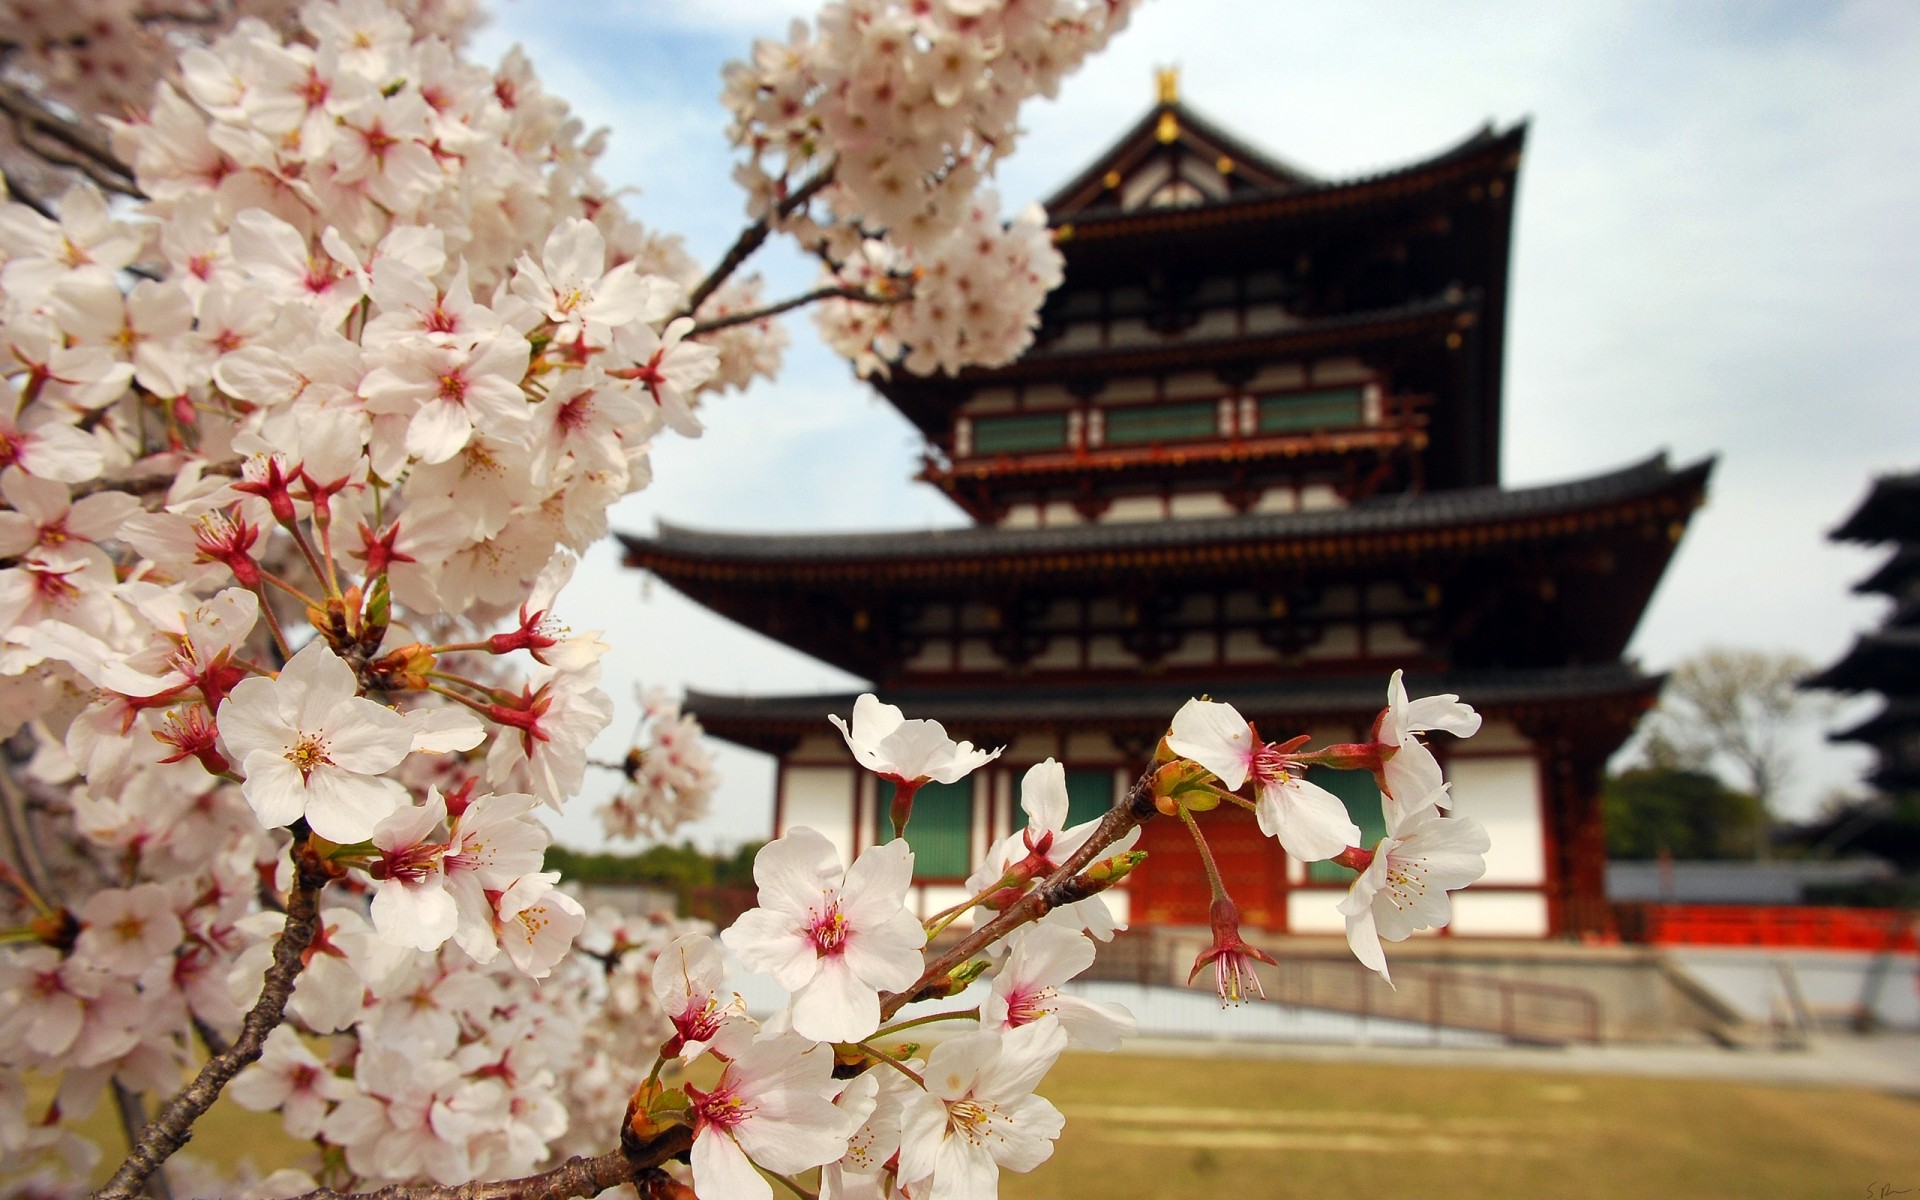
[{"x": 328, "y": 350}]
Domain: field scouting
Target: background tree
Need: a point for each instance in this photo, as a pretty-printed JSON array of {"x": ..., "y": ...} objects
[{"x": 1737, "y": 711}]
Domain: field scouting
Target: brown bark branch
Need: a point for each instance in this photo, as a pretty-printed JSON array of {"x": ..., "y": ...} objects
[
  {"x": 578, "y": 1176},
  {"x": 172, "y": 1128},
  {"x": 1134, "y": 809},
  {"x": 95, "y": 156},
  {"x": 133, "y": 1118},
  {"x": 828, "y": 292},
  {"x": 20, "y": 193},
  {"x": 751, "y": 239}
]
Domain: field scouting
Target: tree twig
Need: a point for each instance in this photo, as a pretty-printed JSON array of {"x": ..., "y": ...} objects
[
  {"x": 828, "y": 292},
  {"x": 133, "y": 1118},
  {"x": 97, "y": 158},
  {"x": 578, "y": 1176},
  {"x": 25, "y": 195},
  {"x": 1134, "y": 809},
  {"x": 752, "y": 238},
  {"x": 172, "y": 1128}
]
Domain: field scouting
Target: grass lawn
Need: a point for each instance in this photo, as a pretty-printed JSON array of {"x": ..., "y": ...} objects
[
  {"x": 1171, "y": 1129},
  {"x": 1185, "y": 1129}
]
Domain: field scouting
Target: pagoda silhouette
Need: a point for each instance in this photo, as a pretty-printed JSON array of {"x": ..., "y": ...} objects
[{"x": 1253, "y": 453}]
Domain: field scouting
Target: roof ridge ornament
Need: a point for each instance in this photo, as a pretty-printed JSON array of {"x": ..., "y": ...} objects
[{"x": 1167, "y": 84}]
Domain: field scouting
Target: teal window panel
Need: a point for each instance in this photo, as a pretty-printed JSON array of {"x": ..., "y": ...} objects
[
  {"x": 1293, "y": 412},
  {"x": 1012, "y": 435},
  {"x": 1089, "y": 795},
  {"x": 940, "y": 833},
  {"x": 1361, "y": 795},
  {"x": 1161, "y": 423}
]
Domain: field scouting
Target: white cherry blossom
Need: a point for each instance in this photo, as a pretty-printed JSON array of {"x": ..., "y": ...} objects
[
  {"x": 1309, "y": 821},
  {"x": 1404, "y": 888},
  {"x": 1411, "y": 775},
  {"x": 833, "y": 937},
  {"x": 311, "y": 747},
  {"x": 978, "y": 1113}
]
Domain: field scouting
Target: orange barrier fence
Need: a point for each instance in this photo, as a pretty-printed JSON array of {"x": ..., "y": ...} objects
[{"x": 1767, "y": 925}]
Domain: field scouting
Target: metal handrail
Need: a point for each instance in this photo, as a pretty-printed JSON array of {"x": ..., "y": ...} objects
[{"x": 1516, "y": 1009}]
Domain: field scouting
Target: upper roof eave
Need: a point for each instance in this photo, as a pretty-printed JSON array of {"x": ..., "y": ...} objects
[
  {"x": 1498, "y": 148},
  {"x": 1386, "y": 516},
  {"x": 1347, "y": 695},
  {"x": 1142, "y": 133},
  {"x": 1890, "y": 512}
]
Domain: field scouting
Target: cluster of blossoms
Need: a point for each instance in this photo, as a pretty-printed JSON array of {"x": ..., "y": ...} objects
[
  {"x": 892, "y": 1120},
  {"x": 895, "y": 115},
  {"x": 669, "y": 774}
]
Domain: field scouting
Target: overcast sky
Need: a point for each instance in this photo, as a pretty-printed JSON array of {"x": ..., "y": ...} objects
[{"x": 1716, "y": 254}]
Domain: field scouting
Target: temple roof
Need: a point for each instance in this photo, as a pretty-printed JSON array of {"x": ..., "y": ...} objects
[
  {"x": 1890, "y": 513},
  {"x": 1886, "y": 660},
  {"x": 767, "y": 722},
  {"x": 1293, "y": 194},
  {"x": 1174, "y": 127},
  {"x": 1531, "y": 577},
  {"x": 1895, "y": 574},
  {"x": 1394, "y": 522}
]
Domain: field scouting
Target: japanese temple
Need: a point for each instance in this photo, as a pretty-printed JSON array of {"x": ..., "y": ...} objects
[
  {"x": 1888, "y": 659},
  {"x": 1254, "y": 453}
]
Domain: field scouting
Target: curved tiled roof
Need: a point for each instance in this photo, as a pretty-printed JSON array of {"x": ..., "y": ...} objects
[
  {"x": 1383, "y": 515},
  {"x": 1308, "y": 198},
  {"x": 1150, "y": 701}
]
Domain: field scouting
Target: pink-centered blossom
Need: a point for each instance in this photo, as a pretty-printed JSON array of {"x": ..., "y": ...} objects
[
  {"x": 771, "y": 1107},
  {"x": 1404, "y": 887},
  {"x": 1027, "y": 989},
  {"x": 1309, "y": 821},
  {"x": 311, "y": 746},
  {"x": 688, "y": 981},
  {"x": 833, "y": 937},
  {"x": 978, "y": 1114}
]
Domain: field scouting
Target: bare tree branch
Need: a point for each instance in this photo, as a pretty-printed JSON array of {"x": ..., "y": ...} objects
[
  {"x": 133, "y": 1118},
  {"x": 89, "y": 151},
  {"x": 577, "y": 1176},
  {"x": 828, "y": 292},
  {"x": 174, "y": 1126},
  {"x": 25, "y": 195},
  {"x": 752, "y": 238}
]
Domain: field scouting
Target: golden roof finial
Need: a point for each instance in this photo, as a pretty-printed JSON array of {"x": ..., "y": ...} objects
[{"x": 1167, "y": 81}]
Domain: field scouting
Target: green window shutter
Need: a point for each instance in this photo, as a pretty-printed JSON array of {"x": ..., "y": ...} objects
[
  {"x": 1011, "y": 435},
  {"x": 941, "y": 831},
  {"x": 1161, "y": 423},
  {"x": 1362, "y": 798},
  {"x": 1089, "y": 795},
  {"x": 1296, "y": 412}
]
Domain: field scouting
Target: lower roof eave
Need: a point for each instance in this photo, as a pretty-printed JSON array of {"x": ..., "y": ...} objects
[{"x": 1611, "y": 694}]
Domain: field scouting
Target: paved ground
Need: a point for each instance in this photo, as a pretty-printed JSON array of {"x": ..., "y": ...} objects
[{"x": 1882, "y": 1062}]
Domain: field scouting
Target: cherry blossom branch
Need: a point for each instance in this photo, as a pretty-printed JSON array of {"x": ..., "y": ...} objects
[
  {"x": 25, "y": 195},
  {"x": 19, "y": 825},
  {"x": 578, "y": 1176},
  {"x": 173, "y": 1127},
  {"x": 752, "y": 238},
  {"x": 133, "y": 1118},
  {"x": 1061, "y": 887},
  {"x": 96, "y": 159},
  {"x": 829, "y": 292}
]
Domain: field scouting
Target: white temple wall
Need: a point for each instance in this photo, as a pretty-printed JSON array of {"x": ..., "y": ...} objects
[
  {"x": 821, "y": 798},
  {"x": 1503, "y": 793}
]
